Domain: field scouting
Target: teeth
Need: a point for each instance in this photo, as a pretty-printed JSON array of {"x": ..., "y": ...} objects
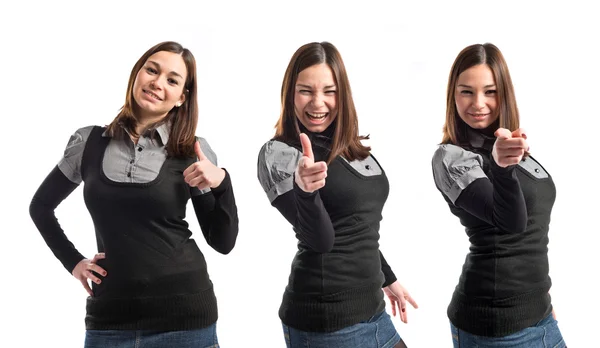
[
  {"x": 317, "y": 115},
  {"x": 152, "y": 95}
]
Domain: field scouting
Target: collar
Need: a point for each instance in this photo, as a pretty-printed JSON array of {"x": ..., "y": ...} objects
[
  {"x": 162, "y": 131},
  {"x": 479, "y": 140}
]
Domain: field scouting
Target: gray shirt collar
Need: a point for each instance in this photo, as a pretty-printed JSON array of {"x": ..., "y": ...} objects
[{"x": 163, "y": 132}]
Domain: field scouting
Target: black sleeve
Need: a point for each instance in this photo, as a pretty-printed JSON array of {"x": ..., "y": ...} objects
[
  {"x": 217, "y": 215},
  {"x": 499, "y": 202},
  {"x": 53, "y": 190},
  {"x": 390, "y": 277},
  {"x": 306, "y": 212}
]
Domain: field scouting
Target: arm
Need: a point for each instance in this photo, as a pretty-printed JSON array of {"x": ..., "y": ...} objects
[
  {"x": 217, "y": 215},
  {"x": 277, "y": 164},
  {"x": 306, "y": 212},
  {"x": 498, "y": 202},
  {"x": 459, "y": 176},
  {"x": 53, "y": 190}
]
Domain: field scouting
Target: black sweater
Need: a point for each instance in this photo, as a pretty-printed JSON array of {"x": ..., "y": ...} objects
[
  {"x": 157, "y": 277},
  {"x": 336, "y": 276},
  {"x": 504, "y": 284}
]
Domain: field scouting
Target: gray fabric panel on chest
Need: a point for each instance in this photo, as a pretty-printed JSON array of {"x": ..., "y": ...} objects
[{"x": 366, "y": 167}]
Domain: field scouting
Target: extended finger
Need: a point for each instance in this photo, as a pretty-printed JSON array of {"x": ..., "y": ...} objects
[
  {"x": 520, "y": 133},
  {"x": 512, "y": 143},
  {"x": 502, "y": 133},
  {"x": 411, "y": 301},
  {"x": 313, "y": 177},
  {"x": 306, "y": 146}
]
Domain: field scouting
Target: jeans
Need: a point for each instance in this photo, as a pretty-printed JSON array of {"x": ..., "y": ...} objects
[
  {"x": 377, "y": 332},
  {"x": 544, "y": 334},
  {"x": 200, "y": 338}
]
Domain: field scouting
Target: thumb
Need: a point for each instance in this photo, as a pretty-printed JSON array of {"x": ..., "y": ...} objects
[
  {"x": 199, "y": 153},
  {"x": 503, "y": 133},
  {"x": 306, "y": 146}
]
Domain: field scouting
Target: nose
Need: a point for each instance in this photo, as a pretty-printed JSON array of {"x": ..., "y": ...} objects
[
  {"x": 318, "y": 100},
  {"x": 479, "y": 102},
  {"x": 156, "y": 84}
]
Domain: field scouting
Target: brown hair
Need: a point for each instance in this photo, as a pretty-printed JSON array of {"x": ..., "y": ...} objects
[
  {"x": 455, "y": 128},
  {"x": 346, "y": 140},
  {"x": 183, "y": 119}
]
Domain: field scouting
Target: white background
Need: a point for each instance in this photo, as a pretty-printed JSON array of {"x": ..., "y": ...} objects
[{"x": 65, "y": 65}]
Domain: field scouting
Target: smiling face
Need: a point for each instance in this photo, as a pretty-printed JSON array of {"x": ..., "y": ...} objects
[
  {"x": 159, "y": 85},
  {"x": 315, "y": 97},
  {"x": 476, "y": 97}
]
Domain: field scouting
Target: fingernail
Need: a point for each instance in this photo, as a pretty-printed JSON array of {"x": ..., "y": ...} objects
[{"x": 403, "y": 309}]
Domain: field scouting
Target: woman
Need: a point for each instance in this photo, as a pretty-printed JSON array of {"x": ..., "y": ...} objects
[
  {"x": 149, "y": 279},
  {"x": 504, "y": 198},
  {"x": 316, "y": 172}
]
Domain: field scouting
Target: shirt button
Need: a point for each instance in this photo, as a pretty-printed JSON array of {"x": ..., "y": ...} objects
[
  {"x": 131, "y": 162},
  {"x": 129, "y": 175},
  {"x": 537, "y": 170},
  {"x": 139, "y": 149},
  {"x": 367, "y": 167}
]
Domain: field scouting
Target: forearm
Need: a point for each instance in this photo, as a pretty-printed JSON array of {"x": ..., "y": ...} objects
[
  {"x": 498, "y": 201},
  {"x": 53, "y": 190},
  {"x": 306, "y": 212},
  {"x": 218, "y": 217}
]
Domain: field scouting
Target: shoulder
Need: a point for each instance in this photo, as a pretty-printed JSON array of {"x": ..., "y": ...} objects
[
  {"x": 280, "y": 154},
  {"x": 447, "y": 156},
  {"x": 80, "y": 136}
]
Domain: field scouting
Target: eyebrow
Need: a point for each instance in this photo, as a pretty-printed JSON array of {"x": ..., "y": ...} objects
[
  {"x": 172, "y": 72},
  {"x": 309, "y": 87},
  {"x": 486, "y": 86}
]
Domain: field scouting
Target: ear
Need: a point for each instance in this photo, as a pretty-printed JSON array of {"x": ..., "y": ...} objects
[{"x": 181, "y": 100}]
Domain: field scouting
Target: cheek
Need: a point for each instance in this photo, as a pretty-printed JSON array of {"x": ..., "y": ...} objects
[{"x": 299, "y": 102}]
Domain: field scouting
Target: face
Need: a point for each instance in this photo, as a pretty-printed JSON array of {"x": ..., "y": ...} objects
[
  {"x": 159, "y": 84},
  {"x": 476, "y": 97},
  {"x": 315, "y": 98}
]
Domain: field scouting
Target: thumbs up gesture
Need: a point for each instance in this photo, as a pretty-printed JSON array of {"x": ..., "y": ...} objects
[
  {"x": 203, "y": 174},
  {"x": 509, "y": 147},
  {"x": 310, "y": 176}
]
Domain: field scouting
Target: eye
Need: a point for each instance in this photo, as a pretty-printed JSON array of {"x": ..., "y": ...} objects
[
  {"x": 173, "y": 81},
  {"x": 304, "y": 91},
  {"x": 151, "y": 70},
  {"x": 465, "y": 92},
  {"x": 331, "y": 92},
  {"x": 491, "y": 91}
]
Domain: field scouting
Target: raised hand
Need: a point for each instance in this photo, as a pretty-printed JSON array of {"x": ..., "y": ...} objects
[
  {"x": 509, "y": 147},
  {"x": 203, "y": 174},
  {"x": 310, "y": 176},
  {"x": 83, "y": 271}
]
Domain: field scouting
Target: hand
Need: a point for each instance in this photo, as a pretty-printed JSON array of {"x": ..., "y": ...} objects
[
  {"x": 83, "y": 271},
  {"x": 203, "y": 174},
  {"x": 398, "y": 296},
  {"x": 509, "y": 148},
  {"x": 310, "y": 176}
]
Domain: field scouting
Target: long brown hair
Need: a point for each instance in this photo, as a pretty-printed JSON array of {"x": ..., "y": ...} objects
[
  {"x": 454, "y": 127},
  {"x": 184, "y": 119},
  {"x": 346, "y": 140}
]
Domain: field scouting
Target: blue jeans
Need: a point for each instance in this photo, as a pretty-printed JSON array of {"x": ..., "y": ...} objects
[
  {"x": 544, "y": 334},
  {"x": 200, "y": 338},
  {"x": 377, "y": 332}
]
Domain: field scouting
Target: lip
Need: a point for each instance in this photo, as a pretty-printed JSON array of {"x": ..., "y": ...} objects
[
  {"x": 151, "y": 95},
  {"x": 479, "y": 116},
  {"x": 316, "y": 121}
]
